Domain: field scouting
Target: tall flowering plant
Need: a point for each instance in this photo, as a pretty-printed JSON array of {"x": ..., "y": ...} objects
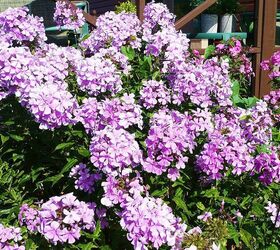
[{"x": 131, "y": 140}]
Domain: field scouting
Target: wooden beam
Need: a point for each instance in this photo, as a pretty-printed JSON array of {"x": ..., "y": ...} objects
[
  {"x": 193, "y": 14},
  {"x": 258, "y": 31},
  {"x": 268, "y": 42},
  {"x": 140, "y": 9}
]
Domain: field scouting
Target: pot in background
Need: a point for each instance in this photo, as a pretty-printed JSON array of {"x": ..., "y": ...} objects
[
  {"x": 209, "y": 23},
  {"x": 226, "y": 23}
]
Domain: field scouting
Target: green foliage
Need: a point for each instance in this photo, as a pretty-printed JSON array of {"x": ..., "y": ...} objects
[{"x": 127, "y": 6}]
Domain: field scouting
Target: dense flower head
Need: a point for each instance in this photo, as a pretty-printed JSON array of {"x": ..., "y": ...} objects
[
  {"x": 84, "y": 179},
  {"x": 21, "y": 71},
  {"x": 170, "y": 137},
  {"x": 52, "y": 105},
  {"x": 273, "y": 65},
  {"x": 154, "y": 93},
  {"x": 88, "y": 114},
  {"x": 10, "y": 238},
  {"x": 115, "y": 151},
  {"x": 273, "y": 209},
  {"x": 256, "y": 123},
  {"x": 267, "y": 166},
  {"x": 156, "y": 17},
  {"x": 273, "y": 101},
  {"x": 67, "y": 16},
  {"x": 226, "y": 147},
  {"x": 118, "y": 190},
  {"x": 13, "y": 62},
  {"x": 97, "y": 75},
  {"x": 18, "y": 27},
  {"x": 60, "y": 219},
  {"x": 237, "y": 55},
  {"x": 204, "y": 83},
  {"x": 119, "y": 59},
  {"x": 150, "y": 222},
  {"x": 121, "y": 112},
  {"x": 118, "y": 112},
  {"x": 114, "y": 30},
  {"x": 161, "y": 38}
]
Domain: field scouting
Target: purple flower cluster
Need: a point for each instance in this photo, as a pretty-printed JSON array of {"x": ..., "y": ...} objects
[
  {"x": 273, "y": 65},
  {"x": 114, "y": 30},
  {"x": 156, "y": 17},
  {"x": 225, "y": 147},
  {"x": 256, "y": 123},
  {"x": 150, "y": 222},
  {"x": 60, "y": 219},
  {"x": 231, "y": 144},
  {"x": 154, "y": 93},
  {"x": 267, "y": 166},
  {"x": 169, "y": 139},
  {"x": 13, "y": 62},
  {"x": 273, "y": 101},
  {"x": 204, "y": 83},
  {"x": 118, "y": 190},
  {"x": 118, "y": 113},
  {"x": 97, "y": 75},
  {"x": 10, "y": 238},
  {"x": 17, "y": 26},
  {"x": 119, "y": 59},
  {"x": 68, "y": 16},
  {"x": 273, "y": 209},
  {"x": 239, "y": 62},
  {"x": 84, "y": 179},
  {"x": 52, "y": 105},
  {"x": 161, "y": 37},
  {"x": 114, "y": 151}
]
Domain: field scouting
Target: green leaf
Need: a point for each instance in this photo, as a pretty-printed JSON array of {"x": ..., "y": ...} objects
[
  {"x": 128, "y": 52},
  {"x": 16, "y": 137},
  {"x": 30, "y": 245},
  {"x": 58, "y": 177},
  {"x": 160, "y": 193},
  {"x": 4, "y": 138},
  {"x": 257, "y": 209},
  {"x": 211, "y": 193},
  {"x": 209, "y": 51},
  {"x": 106, "y": 247},
  {"x": 63, "y": 145},
  {"x": 180, "y": 203},
  {"x": 87, "y": 246},
  {"x": 246, "y": 237},
  {"x": 200, "y": 206},
  {"x": 272, "y": 247},
  {"x": 97, "y": 231},
  {"x": 84, "y": 152},
  {"x": 233, "y": 233},
  {"x": 71, "y": 162}
]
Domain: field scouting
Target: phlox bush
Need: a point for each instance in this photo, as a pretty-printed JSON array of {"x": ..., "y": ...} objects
[{"x": 131, "y": 140}]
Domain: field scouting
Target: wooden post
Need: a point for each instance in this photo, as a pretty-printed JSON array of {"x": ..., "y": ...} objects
[
  {"x": 268, "y": 41},
  {"x": 258, "y": 31},
  {"x": 140, "y": 9},
  {"x": 194, "y": 13}
]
